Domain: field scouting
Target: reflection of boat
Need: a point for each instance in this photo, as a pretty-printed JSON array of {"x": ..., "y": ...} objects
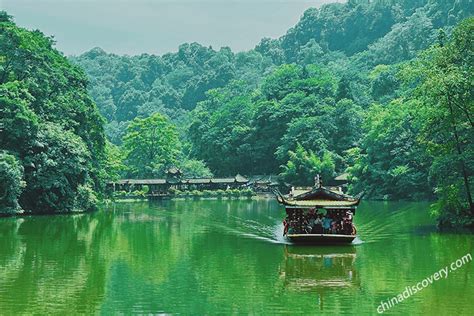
[
  {"x": 321, "y": 238},
  {"x": 324, "y": 204},
  {"x": 309, "y": 268},
  {"x": 304, "y": 251}
]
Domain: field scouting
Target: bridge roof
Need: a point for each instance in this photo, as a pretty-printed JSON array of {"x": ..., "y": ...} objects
[{"x": 236, "y": 179}]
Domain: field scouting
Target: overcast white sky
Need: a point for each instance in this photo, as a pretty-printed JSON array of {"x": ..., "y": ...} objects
[{"x": 157, "y": 26}]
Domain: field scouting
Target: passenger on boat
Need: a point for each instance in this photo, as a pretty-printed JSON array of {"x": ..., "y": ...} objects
[
  {"x": 291, "y": 230},
  {"x": 303, "y": 225},
  {"x": 326, "y": 224},
  {"x": 318, "y": 225},
  {"x": 286, "y": 226},
  {"x": 333, "y": 226},
  {"x": 297, "y": 222},
  {"x": 311, "y": 220},
  {"x": 349, "y": 215},
  {"x": 347, "y": 227},
  {"x": 345, "y": 224}
]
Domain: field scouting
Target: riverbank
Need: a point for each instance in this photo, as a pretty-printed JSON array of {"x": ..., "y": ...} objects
[{"x": 26, "y": 214}]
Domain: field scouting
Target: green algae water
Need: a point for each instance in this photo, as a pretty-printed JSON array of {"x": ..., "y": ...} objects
[{"x": 226, "y": 257}]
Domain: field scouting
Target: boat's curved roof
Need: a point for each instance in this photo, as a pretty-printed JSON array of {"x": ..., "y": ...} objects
[
  {"x": 320, "y": 203},
  {"x": 319, "y": 197}
]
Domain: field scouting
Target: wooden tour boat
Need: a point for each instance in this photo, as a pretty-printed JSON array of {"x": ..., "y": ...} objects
[{"x": 319, "y": 202}]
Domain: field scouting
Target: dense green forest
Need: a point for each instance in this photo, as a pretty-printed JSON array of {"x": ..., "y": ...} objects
[
  {"x": 52, "y": 143},
  {"x": 380, "y": 89}
]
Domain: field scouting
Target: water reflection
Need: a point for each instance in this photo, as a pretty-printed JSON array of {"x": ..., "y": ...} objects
[
  {"x": 314, "y": 268},
  {"x": 319, "y": 269},
  {"x": 49, "y": 263},
  {"x": 223, "y": 257}
]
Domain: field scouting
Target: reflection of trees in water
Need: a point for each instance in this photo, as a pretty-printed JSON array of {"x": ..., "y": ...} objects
[
  {"x": 169, "y": 257},
  {"x": 50, "y": 263},
  {"x": 12, "y": 252},
  {"x": 151, "y": 242},
  {"x": 69, "y": 262},
  {"x": 63, "y": 262},
  {"x": 201, "y": 256},
  {"x": 157, "y": 253}
]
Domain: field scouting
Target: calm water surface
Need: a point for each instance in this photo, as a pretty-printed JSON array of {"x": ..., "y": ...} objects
[{"x": 226, "y": 257}]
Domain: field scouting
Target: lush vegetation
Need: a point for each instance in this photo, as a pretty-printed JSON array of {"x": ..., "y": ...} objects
[
  {"x": 151, "y": 146},
  {"x": 343, "y": 90},
  {"x": 380, "y": 89},
  {"x": 52, "y": 155}
]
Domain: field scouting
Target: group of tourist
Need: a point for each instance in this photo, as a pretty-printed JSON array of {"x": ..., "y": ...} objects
[{"x": 334, "y": 222}]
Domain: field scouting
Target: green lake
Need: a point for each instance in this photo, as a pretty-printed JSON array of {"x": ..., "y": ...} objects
[{"x": 227, "y": 257}]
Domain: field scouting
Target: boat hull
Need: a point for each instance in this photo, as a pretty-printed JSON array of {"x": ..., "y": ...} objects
[{"x": 321, "y": 239}]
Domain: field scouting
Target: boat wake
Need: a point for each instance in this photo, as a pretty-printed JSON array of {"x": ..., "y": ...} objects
[
  {"x": 258, "y": 231},
  {"x": 357, "y": 241},
  {"x": 281, "y": 240},
  {"x": 268, "y": 233}
]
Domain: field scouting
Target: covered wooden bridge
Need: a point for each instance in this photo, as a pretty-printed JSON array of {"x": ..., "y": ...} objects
[{"x": 163, "y": 186}]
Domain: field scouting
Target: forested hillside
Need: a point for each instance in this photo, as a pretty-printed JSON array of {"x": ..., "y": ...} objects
[
  {"x": 335, "y": 93},
  {"x": 379, "y": 89},
  {"x": 52, "y": 144},
  {"x": 350, "y": 39}
]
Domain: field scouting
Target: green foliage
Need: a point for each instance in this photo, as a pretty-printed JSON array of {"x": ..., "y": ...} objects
[
  {"x": 304, "y": 165},
  {"x": 11, "y": 183},
  {"x": 120, "y": 193},
  {"x": 86, "y": 198},
  {"x": 243, "y": 112},
  {"x": 296, "y": 104},
  {"x": 444, "y": 87},
  {"x": 403, "y": 41},
  {"x": 219, "y": 193},
  {"x": 384, "y": 83},
  {"x": 222, "y": 145},
  {"x": 172, "y": 84},
  {"x": 246, "y": 192},
  {"x": 421, "y": 143},
  {"x": 174, "y": 191},
  {"x": 449, "y": 209},
  {"x": 59, "y": 169},
  {"x": 48, "y": 122},
  {"x": 193, "y": 168},
  {"x": 281, "y": 81},
  {"x": 310, "y": 53},
  {"x": 19, "y": 122},
  {"x": 234, "y": 192},
  {"x": 349, "y": 38},
  {"x": 151, "y": 146},
  {"x": 391, "y": 164},
  {"x": 196, "y": 193},
  {"x": 114, "y": 165}
]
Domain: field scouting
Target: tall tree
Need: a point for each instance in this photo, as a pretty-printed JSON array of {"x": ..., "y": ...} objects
[
  {"x": 151, "y": 146},
  {"x": 445, "y": 77}
]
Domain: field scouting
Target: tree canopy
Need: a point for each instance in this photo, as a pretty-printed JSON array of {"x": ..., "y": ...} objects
[
  {"x": 51, "y": 133},
  {"x": 151, "y": 146}
]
